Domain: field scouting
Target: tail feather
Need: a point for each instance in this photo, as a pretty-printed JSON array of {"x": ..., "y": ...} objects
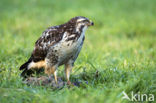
[
  {"x": 24, "y": 67},
  {"x": 28, "y": 72}
]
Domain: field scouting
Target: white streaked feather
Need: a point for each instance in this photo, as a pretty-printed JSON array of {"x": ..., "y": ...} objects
[
  {"x": 80, "y": 19},
  {"x": 78, "y": 27}
]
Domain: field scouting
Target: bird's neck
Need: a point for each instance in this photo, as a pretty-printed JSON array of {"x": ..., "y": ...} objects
[{"x": 80, "y": 29}]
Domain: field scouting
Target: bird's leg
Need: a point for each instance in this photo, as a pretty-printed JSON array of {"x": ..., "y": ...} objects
[
  {"x": 68, "y": 69},
  {"x": 47, "y": 71},
  {"x": 54, "y": 72},
  {"x": 55, "y": 76}
]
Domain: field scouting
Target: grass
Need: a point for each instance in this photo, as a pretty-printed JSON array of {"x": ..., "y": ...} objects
[{"x": 121, "y": 46}]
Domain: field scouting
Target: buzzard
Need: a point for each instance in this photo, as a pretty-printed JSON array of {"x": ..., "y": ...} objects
[{"x": 58, "y": 45}]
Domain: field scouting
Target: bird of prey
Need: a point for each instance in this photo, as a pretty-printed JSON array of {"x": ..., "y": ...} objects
[{"x": 58, "y": 45}]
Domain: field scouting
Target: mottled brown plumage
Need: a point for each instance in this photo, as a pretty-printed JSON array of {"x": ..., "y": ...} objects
[{"x": 58, "y": 45}]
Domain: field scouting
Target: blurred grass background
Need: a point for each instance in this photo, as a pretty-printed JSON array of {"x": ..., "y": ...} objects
[{"x": 121, "y": 46}]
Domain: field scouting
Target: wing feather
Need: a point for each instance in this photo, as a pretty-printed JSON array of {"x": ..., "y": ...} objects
[{"x": 50, "y": 37}]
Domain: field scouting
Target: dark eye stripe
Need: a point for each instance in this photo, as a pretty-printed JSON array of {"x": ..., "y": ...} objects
[{"x": 85, "y": 20}]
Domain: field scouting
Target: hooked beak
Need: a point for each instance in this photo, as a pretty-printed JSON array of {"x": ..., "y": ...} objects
[{"x": 91, "y": 23}]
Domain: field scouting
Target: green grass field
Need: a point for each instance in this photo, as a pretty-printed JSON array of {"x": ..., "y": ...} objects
[{"x": 121, "y": 46}]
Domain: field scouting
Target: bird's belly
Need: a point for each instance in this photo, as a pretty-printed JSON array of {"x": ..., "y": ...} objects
[
  {"x": 65, "y": 50},
  {"x": 69, "y": 50}
]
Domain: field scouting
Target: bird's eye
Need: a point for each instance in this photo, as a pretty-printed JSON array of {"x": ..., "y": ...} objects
[{"x": 85, "y": 20}]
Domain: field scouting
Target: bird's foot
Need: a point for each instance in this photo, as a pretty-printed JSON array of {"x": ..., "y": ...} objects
[{"x": 69, "y": 84}]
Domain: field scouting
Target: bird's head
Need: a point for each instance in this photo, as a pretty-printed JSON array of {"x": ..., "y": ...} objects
[{"x": 81, "y": 23}]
